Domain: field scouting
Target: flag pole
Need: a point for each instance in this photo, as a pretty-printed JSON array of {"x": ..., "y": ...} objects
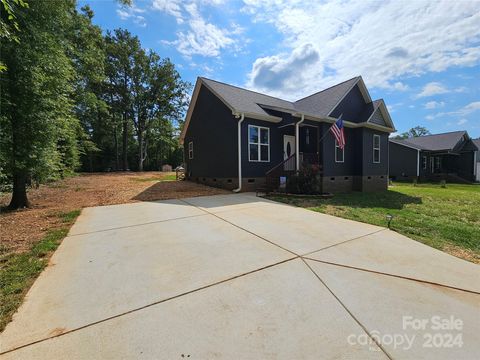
[{"x": 328, "y": 131}]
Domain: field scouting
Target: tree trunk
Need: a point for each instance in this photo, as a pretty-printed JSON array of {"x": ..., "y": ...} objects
[
  {"x": 125, "y": 143},
  {"x": 140, "y": 150},
  {"x": 117, "y": 160},
  {"x": 19, "y": 195}
]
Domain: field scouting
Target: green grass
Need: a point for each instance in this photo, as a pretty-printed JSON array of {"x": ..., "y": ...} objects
[
  {"x": 443, "y": 218},
  {"x": 19, "y": 271},
  {"x": 169, "y": 177}
]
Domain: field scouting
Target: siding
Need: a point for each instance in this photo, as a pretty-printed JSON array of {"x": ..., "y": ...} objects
[
  {"x": 369, "y": 167},
  {"x": 377, "y": 118},
  {"x": 213, "y": 130},
  {"x": 403, "y": 161},
  {"x": 351, "y": 106}
]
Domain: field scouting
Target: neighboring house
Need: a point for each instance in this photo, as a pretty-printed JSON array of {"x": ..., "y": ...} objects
[
  {"x": 477, "y": 156},
  {"x": 234, "y": 137},
  {"x": 449, "y": 156}
]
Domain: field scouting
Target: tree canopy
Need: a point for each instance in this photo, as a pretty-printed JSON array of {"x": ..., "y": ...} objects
[
  {"x": 69, "y": 93},
  {"x": 413, "y": 132}
]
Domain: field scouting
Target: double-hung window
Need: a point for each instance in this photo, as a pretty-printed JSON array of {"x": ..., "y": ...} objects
[
  {"x": 339, "y": 153},
  {"x": 190, "y": 150},
  {"x": 424, "y": 163},
  {"x": 258, "y": 143},
  {"x": 438, "y": 162},
  {"x": 376, "y": 148}
]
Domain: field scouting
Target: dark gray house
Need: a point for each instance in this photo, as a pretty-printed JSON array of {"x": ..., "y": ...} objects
[
  {"x": 477, "y": 156},
  {"x": 449, "y": 156},
  {"x": 236, "y": 138}
]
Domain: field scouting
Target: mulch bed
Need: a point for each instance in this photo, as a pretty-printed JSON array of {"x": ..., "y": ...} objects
[{"x": 20, "y": 229}]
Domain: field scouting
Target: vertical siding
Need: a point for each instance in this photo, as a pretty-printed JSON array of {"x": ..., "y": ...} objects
[
  {"x": 403, "y": 161},
  {"x": 213, "y": 130}
]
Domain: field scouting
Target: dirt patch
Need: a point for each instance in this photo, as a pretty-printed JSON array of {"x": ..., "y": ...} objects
[{"x": 22, "y": 228}]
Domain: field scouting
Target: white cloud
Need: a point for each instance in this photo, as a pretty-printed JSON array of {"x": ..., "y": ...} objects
[
  {"x": 463, "y": 111},
  {"x": 382, "y": 41},
  {"x": 434, "y": 105},
  {"x": 133, "y": 13},
  {"x": 200, "y": 37},
  {"x": 432, "y": 88},
  {"x": 462, "y": 121}
]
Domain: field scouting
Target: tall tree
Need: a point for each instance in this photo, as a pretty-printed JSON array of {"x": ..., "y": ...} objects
[
  {"x": 122, "y": 47},
  {"x": 38, "y": 127},
  {"x": 9, "y": 26},
  {"x": 157, "y": 93},
  {"x": 414, "y": 132}
]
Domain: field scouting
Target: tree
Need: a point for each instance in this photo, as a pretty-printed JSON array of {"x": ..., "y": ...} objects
[
  {"x": 413, "y": 132},
  {"x": 158, "y": 93},
  {"x": 121, "y": 48},
  {"x": 39, "y": 129},
  {"x": 9, "y": 26}
]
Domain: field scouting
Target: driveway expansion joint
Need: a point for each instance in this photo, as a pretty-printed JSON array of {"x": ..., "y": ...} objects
[
  {"x": 348, "y": 311},
  {"x": 392, "y": 275},
  {"x": 136, "y": 225},
  {"x": 147, "y": 306}
]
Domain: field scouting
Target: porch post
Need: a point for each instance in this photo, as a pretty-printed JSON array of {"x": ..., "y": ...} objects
[{"x": 297, "y": 142}]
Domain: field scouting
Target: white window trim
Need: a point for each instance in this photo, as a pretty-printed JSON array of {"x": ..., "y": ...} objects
[
  {"x": 343, "y": 153},
  {"x": 376, "y": 148},
  {"x": 424, "y": 162},
  {"x": 190, "y": 150},
  {"x": 259, "y": 143}
]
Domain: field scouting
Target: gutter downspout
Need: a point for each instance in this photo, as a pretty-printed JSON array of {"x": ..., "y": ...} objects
[
  {"x": 297, "y": 142},
  {"x": 242, "y": 117},
  {"x": 418, "y": 164}
]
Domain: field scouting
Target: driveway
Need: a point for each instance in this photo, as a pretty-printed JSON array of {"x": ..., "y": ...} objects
[{"x": 240, "y": 277}]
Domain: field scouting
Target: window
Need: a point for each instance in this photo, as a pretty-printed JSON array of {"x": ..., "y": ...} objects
[
  {"x": 438, "y": 162},
  {"x": 190, "y": 150},
  {"x": 339, "y": 153},
  {"x": 307, "y": 136},
  {"x": 424, "y": 163},
  {"x": 376, "y": 148},
  {"x": 258, "y": 143}
]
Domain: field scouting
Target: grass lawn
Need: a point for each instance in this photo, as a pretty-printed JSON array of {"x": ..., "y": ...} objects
[
  {"x": 444, "y": 218},
  {"x": 18, "y": 271}
]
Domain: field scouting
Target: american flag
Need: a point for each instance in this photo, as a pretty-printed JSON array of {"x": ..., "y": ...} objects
[{"x": 337, "y": 131}]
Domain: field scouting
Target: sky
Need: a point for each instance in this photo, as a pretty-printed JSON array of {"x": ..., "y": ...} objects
[{"x": 421, "y": 57}]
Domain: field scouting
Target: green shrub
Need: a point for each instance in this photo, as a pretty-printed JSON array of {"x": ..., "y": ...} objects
[{"x": 306, "y": 181}]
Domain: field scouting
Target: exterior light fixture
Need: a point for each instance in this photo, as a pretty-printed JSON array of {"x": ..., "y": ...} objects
[{"x": 389, "y": 218}]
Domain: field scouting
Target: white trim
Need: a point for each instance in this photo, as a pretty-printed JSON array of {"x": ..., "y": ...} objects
[
  {"x": 190, "y": 150},
  {"x": 374, "y": 148},
  {"x": 363, "y": 90},
  {"x": 297, "y": 142},
  {"x": 259, "y": 144},
  {"x": 385, "y": 114},
  {"x": 475, "y": 163},
  {"x": 343, "y": 153},
  {"x": 239, "y": 149},
  {"x": 418, "y": 163}
]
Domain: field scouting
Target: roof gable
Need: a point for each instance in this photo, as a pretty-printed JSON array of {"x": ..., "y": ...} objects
[{"x": 325, "y": 101}]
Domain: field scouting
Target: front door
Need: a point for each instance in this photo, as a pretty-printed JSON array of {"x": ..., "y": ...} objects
[{"x": 288, "y": 150}]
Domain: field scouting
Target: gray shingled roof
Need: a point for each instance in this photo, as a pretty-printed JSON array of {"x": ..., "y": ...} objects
[
  {"x": 323, "y": 102},
  {"x": 477, "y": 143},
  {"x": 438, "y": 142},
  {"x": 242, "y": 100}
]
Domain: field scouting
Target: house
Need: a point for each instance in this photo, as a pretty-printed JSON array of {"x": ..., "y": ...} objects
[
  {"x": 477, "y": 156},
  {"x": 448, "y": 156},
  {"x": 235, "y": 138}
]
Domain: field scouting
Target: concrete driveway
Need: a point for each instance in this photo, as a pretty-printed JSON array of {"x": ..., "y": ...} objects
[{"x": 239, "y": 277}]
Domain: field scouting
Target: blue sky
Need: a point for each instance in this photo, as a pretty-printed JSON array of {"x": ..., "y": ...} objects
[{"x": 422, "y": 57}]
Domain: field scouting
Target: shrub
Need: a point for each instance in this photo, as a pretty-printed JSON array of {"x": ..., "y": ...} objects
[{"x": 306, "y": 181}]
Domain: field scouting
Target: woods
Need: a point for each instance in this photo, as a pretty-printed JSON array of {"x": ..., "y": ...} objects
[{"x": 76, "y": 99}]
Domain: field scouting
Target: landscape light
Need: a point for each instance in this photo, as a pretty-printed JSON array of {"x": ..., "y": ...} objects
[{"x": 389, "y": 218}]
